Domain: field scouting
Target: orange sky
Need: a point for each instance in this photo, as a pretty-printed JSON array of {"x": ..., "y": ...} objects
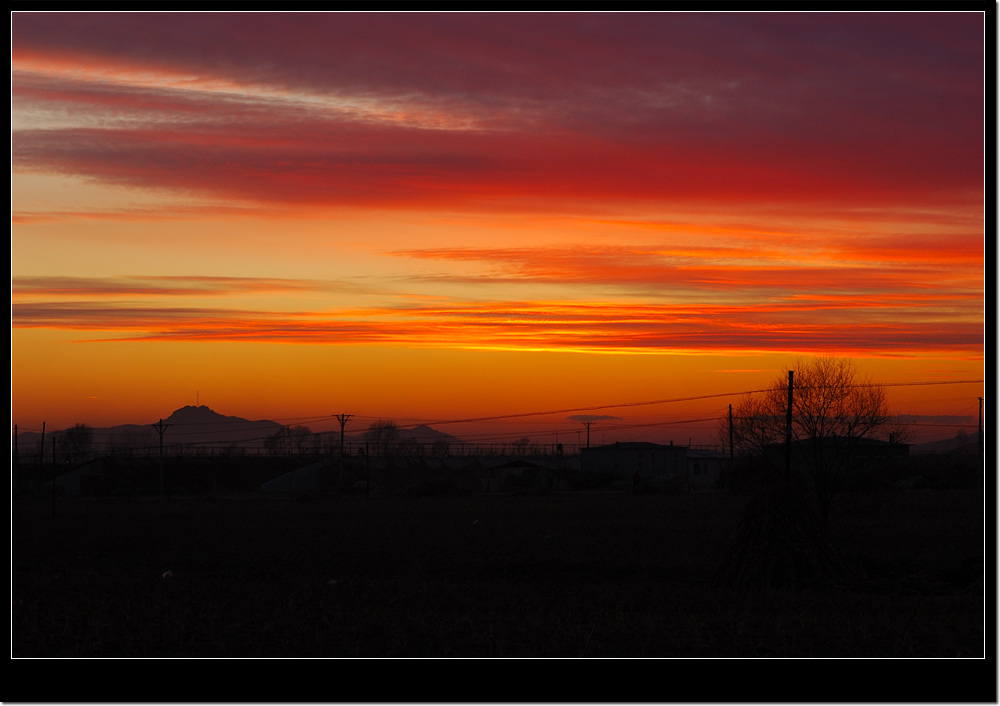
[{"x": 437, "y": 217}]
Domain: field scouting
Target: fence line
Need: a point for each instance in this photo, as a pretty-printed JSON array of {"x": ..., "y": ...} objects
[{"x": 404, "y": 449}]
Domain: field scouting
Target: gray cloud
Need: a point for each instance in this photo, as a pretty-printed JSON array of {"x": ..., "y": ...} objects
[{"x": 593, "y": 418}]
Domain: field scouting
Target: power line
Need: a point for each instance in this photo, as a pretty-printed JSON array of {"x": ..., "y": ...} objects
[
  {"x": 522, "y": 415},
  {"x": 675, "y": 399},
  {"x": 497, "y": 417}
]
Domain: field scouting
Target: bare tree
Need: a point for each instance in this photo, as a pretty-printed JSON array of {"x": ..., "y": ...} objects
[
  {"x": 77, "y": 443},
  {"x": 288, "y": 440},
  {"x": 281, "y": 442},
  {"x": 836, "y": 411},
  {"x": 298, "y": 436},
  {"x": 783, "y": 541},
  {"x": 382, "y": 437}
]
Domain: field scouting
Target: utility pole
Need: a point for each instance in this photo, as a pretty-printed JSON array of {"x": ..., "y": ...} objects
[
  {"x": 41, "y": 448},
  {"x": 14, "y": 464},
  {"x": 788, "y": 432},
  {"x": 587, "y": 424},
  {"x": 55, "y": 472},
  {"x": 981, "y": 447},
  {"x": 160, "y": 428},
  {"x": 732, "y": 453},
  {"x": 343, "y": 419}
]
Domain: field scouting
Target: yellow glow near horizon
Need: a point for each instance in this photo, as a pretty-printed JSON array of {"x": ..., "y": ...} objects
[{"x": 289, "y": 220}]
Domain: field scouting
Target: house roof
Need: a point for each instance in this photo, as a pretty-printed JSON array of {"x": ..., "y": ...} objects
[
  {"x": 852, "y": 441},
  {"x": 631, "y": 446},
  {"x": 706, "y": 453}
]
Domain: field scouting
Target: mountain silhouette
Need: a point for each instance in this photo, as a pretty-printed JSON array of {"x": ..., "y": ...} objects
[
  {"x": 426, "y": 434},
  {"x": 203, "y": 414},
  {"x": 203, "y": 425},
  {"x": 199, "y": 426}
]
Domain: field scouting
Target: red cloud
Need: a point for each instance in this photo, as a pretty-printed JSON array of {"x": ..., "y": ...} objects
[
  {"x": 508, "y": 112},
  {"x": 527, "y": 325}
]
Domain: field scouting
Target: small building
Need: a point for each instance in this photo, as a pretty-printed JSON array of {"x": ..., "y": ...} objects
[
  {"x": 838, "y": 455},
  {"x": 706, "y": 469},
  {"x": 638, "y": 461},
  {"x": 521, "y": 473},
  {"x": 853, "y": 450}
]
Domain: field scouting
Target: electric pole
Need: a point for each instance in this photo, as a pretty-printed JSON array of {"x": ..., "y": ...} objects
[
  {"x": 587, "y": 424},
  {"x": 160, "y": 428},
  {"x": 14, "y": 460},
  {"x": 732, "y": 453},
  {"x": 55, "y": 472},
  {"x": 343, "y": 419},
  {"x": 981, "y": 447},
  {"x": 788, "y": 432}
]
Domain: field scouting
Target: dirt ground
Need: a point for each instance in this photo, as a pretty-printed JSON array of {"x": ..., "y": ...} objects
[{"x": 556, "y": 575}]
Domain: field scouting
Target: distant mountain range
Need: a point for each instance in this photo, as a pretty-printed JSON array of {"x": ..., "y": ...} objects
[
  {"x": 960, "y": 442},
  {"x": 201, "y": 426},
  {"x": 426, "y": 434}
]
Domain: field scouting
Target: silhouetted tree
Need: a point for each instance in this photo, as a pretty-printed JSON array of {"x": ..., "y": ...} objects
[
  {"x": 77, "y": 442},
  {"x": 381, "y": 437},
  {"x": 783, "y": 540},
  {"x": 277, "y": 443},
  {"x": 298, "y": 436},
  {"x": 288, "y": 440},
  {"x": 835, "y": 409}
]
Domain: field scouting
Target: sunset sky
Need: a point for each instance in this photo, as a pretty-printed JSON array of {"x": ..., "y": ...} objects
[{"x": 436, "y": 217}]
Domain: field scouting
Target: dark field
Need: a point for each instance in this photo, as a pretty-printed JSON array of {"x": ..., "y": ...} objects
[{"x": 559, "y": 575}]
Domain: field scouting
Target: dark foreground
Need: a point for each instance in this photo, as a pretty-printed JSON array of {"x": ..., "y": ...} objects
[{"x": 566, "y": 575}]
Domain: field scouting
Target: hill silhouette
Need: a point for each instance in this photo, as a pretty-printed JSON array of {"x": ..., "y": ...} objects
[
  {"x": 203, "y": 414},
  {"x": 203, "y": 425},
  {"x": 200, "y": 414},
  {"x": 188, "y": 426},
  {"x": 426, "y": 434}
]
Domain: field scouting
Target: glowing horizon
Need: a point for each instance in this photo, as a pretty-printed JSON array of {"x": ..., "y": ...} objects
[{"x": 200, "y": 197}]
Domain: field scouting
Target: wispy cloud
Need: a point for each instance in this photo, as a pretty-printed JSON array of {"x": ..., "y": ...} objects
[
  {"x": 524, "y": 325},
  {"x": 606, "y": 182},
  {"x": 910, "y": 282},
  {"x": 173, "y": 285}
]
